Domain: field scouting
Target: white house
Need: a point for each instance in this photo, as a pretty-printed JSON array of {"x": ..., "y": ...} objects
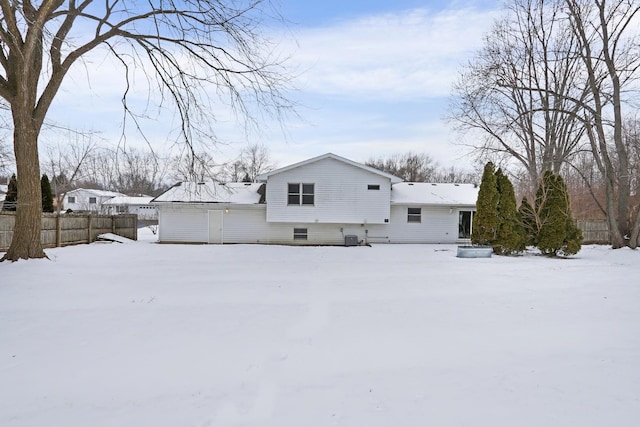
[
  {"x": 87, "y": 200},
  {"x": 3, "y": 194},
  {"x": 140, "y": 206},
  {"x": 323, "y": 200}
]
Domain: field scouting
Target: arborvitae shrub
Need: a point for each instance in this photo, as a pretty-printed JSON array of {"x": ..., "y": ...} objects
[
  {"x": 510, "y": 236},
  {"x": 485, "y": 220},
  {"x": 552, "y": 219},
  {"x": 558, "y": 234},
  {"x": 529, "y": 223},
  {"x": 47, "y": 195}
]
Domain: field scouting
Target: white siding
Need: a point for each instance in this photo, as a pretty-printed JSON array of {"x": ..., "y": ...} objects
[
  {"x": 249, "y": 225},
  {"x": 341, "y": 195},
  {"x": 246, "y": 224},
  {"x": 183, "y": 224},
  {"x": 146, "y": 212},
  {"x": 439, "y": 224}
]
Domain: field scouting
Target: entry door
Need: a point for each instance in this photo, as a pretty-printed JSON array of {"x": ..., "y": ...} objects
[
  {"x": 215, "y": 227},
  {"x": 465, "y": 224}
]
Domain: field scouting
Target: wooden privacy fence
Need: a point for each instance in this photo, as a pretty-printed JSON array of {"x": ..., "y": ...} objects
[
  {"x": 73, "y": 228},
  {"x": 594, "y": 230}
]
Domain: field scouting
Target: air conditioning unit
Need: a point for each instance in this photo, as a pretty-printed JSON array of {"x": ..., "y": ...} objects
[{"x": 351, "y": 240}]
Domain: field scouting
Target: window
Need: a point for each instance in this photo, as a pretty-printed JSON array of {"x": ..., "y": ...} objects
[
  {"x": 121, "y": 209},
  {"x": 300, "y": 194},
  {"x": 299, "y": 234},
  {"x": 414, "y": 215},
  {"x": 465, "y": 224},
  {"x": 373, "y": 187},
  {"x": 92, "y": 200},
  {"x": 71, "y": 199}
]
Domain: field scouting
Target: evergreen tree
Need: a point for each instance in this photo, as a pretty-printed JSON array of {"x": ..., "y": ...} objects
[
  {"x": 510, "y": 236},
  {"x": 485, "y": 220},
  {"x": 573, "y": 235},
  {"x": 47, "y": 195},
  {"x": 552, "y": 220},
  {"x": 558, "y": 235},
  {"x": 529, "y": 222},
  {"x": 11, "y": 199}
]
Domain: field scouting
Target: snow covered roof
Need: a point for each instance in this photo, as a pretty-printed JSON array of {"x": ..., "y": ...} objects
[
  {"x": 99, "y": 193},
  {"x": 129, "y": 200},
  {"x": 393, "y": 178},
  {"x": 424, "y": 193},
  {"x": 212, "y": 192}
]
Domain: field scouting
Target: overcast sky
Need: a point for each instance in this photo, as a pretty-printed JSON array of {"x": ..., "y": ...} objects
[{"x": 374, "y": 79}]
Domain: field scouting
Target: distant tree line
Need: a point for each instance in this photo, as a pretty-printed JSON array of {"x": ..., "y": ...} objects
[{"x": 420, "y": 167}]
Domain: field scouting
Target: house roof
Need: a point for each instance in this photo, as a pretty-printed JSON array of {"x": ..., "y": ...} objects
[
  {"x": 393, "y": 178},
  {"x": 212, "y": 192},
  {"x": 424, "y": 193},
  {"x": 99, "y": 193},
  {"x": 128, "y": 200}
]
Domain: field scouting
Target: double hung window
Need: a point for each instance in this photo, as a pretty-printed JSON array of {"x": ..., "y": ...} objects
[{"x": 300, "y": 194}]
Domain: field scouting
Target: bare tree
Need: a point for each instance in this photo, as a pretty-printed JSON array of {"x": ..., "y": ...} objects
[
  {"x": 411, "y": 167},
  {"x": 196, "y": 167},
  {"x": 5, "y": 157},
  {"x": 138, "y": 172},
  {"x": 608, "y": 47},
  {"x": 66, "y": 163},
  {"x": 459, "y": 176},
  {"x": 187, "y": 47},
  {"x": 493, "y": 97},
  {"x": 255, "y": 160}
]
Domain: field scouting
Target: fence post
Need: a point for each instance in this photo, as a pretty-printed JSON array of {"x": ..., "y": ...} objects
[
  {"x": 90, "y": 228},
  {"x": 58, "y": 231}
]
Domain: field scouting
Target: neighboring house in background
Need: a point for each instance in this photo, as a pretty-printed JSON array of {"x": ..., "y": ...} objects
[
  {"x": 326, "y": 200},
  {"x": 3, "y": 194},
  {"x": 131, "y": 205},
  {"x": 87, "y": 200}
]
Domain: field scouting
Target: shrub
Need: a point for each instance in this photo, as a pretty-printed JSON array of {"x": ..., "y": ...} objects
[{"x": 485, "y": 221}]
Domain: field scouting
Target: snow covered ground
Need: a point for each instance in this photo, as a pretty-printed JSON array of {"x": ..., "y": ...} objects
[{"x": 142, "y": 334}]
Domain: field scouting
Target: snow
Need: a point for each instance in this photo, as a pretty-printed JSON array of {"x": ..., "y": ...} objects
[
  {"x": 212, "y": 192},
  {"x": 149, "y": 334},
  {"x": 100, "y": 193},
  {"x": 425, "y": 193},
  {"x": 114, "y": 238},
  {"x": 128, "y": 200}
]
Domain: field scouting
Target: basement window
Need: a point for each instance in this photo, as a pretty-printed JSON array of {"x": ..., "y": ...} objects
[
  {"x": 299, "y": 234},
  {"x": 414, "y": 215}
]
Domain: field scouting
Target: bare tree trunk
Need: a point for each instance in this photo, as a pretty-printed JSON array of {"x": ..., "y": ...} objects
[
  {"x": 611, "y": 62},
  {"x": 26, "y": 242}
]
